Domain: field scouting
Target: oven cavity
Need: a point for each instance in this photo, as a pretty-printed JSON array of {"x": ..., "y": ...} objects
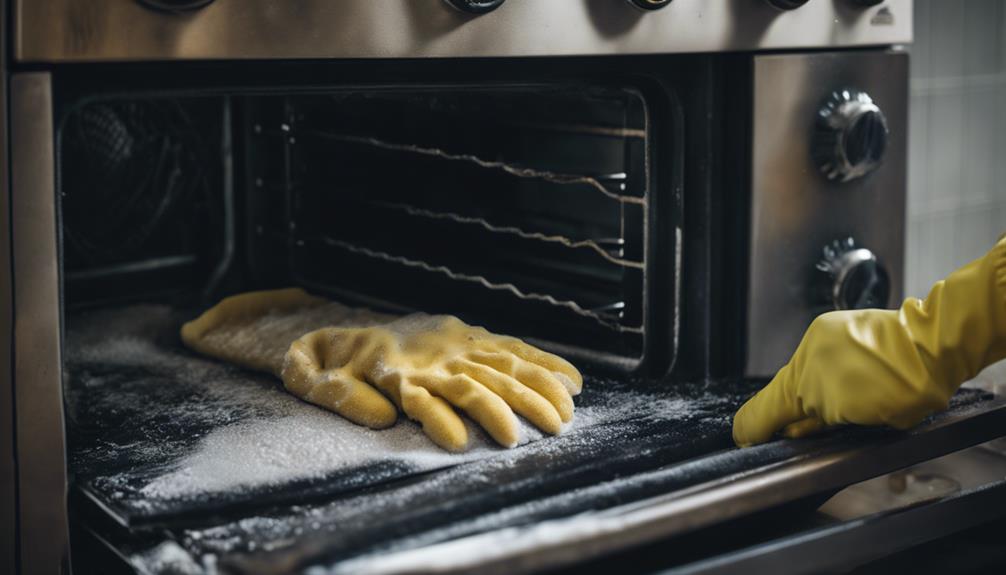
[
  {"x": 140, "y": 194},
  {"x": 522, "y": 208}
]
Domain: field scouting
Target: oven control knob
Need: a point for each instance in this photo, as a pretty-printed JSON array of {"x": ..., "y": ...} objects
[
  {"x": 649, "y": 4},
  {"x": 175, "y": 5},
  {"x": 853, "y": 277},
  {"x": 475, "y": 6},
  {"x": 850, "y": 136},
  {"x": 787, "y": 4}
]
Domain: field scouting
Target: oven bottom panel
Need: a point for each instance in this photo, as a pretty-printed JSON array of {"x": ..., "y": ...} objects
[{"x": 179, "y": 458}]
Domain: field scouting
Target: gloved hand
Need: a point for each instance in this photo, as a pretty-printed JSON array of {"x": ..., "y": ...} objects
[
  {"x": 886, "y": 367},
  {"x": 352, "y": 360},
  {"x": 426, "y": 365}
]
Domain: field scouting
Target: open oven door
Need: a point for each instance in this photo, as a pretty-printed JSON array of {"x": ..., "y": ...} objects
[{"x": 621, "y": 481}]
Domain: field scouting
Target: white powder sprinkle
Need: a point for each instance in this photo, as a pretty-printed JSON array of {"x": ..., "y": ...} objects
[
  {"x": 273, "y": 438},
  {"x": 310, "y": 442},
  {"x": 169, "y": 557},
  {"x": 255, "y": 436}
]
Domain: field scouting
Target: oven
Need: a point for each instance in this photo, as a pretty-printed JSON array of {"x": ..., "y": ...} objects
[{"x": 664, "y": 192}]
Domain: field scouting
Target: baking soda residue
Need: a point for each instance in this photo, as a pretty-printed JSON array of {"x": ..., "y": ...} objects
[
  {"x": 314, "y": 443},
  {"x": 357, "y": 516},
  {"x": 166, "y": 427},
  {"x": 257, "y": 435}
]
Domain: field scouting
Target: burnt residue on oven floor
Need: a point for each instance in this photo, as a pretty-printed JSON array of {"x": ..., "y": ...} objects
[{"x": 226, "y": 469}]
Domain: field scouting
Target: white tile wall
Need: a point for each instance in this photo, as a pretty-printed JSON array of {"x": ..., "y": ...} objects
[{"x": 957, "y": 137}]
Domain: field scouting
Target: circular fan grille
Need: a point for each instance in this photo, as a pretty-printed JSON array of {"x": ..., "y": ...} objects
[{"x": 127, "y": 170}]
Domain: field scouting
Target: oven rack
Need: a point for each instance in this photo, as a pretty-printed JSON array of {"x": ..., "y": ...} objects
[
  {"x": 604, "y": 183},
  {"x": 610, "y": 250},
  {"x": 594, "y": 314},
  {"x": 510, "y": 168},
  {"x": 586, "y": 129},
  {"x": 596, "y": 245},
  {"x": 424, "y": 208}
]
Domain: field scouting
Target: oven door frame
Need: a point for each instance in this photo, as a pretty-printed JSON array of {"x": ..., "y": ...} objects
[
  {"x": 42, "y": 483},
  {"x": 8, "y": 448}
]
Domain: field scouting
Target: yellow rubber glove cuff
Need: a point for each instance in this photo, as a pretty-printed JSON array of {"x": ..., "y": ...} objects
[{"x": 886, "y": 367}]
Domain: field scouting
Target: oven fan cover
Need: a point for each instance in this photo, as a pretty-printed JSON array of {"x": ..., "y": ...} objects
[{"x": 127, "y": 170}]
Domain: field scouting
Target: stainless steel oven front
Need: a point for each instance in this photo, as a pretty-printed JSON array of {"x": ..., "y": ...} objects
[{"x": 663, "y": 191}]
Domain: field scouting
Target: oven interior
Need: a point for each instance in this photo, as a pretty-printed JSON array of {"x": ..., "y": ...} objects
[
  {"x": 528, "y": 207},
  {"x": 523, "y": 208}
]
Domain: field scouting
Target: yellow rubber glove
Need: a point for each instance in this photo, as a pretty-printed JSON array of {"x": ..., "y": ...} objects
[
  {"x": 426, "y": 365},
  {"x": 352, "y": 360},
  {"x": 886, "y": 367}
]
